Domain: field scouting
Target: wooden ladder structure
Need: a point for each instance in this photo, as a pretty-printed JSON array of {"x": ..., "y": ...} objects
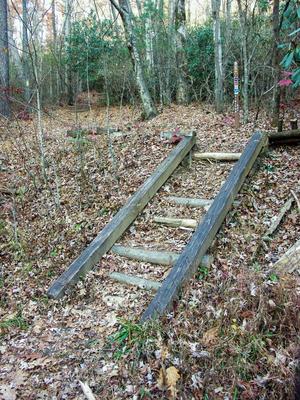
[{"x": 184, "y": 265}]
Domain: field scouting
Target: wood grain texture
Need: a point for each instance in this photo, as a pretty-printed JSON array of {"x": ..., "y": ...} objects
[
  {"x": 206, "y": 231},
  {"x": 290, "y": 261},
  {"x": 176, "y": 222},
  {"x": 217, "y": 156},
  {"x": 135, "y": 281},
  {"x": 189, "y": 202},
  {"x": 121, "y": 221},
  {"x": 153, "y": 257}
]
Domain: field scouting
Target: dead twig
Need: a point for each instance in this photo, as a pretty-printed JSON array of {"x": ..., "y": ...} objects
[{"x": 296, "y": 200}]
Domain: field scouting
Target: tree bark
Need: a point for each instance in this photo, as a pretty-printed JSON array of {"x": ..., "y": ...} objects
[
  {"x": 171, "y": 49},
  {"x": 276, "y": 63},
  {"x": 25, "y": 52},
  {"x": 149, "y": 35},
  {"x": 125, "y": 11},
  {"x": 219, "y": 78},
  {"x": 4, "y": 61},
  {"x": 70, "y": 92},
  {"x": 182, "y": 92},
  {"x": 246, "y": 68}
]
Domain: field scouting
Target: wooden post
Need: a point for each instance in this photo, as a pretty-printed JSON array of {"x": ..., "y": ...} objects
[
  {"x": 294, "y": 124},
  {"x": 236, "y": 95}
]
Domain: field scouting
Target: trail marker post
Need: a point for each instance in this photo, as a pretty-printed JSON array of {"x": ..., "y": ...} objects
[{"x": 236, "y": 94}]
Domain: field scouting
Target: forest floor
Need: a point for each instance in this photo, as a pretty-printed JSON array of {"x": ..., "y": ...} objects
[{"x": 235, "y": 331}]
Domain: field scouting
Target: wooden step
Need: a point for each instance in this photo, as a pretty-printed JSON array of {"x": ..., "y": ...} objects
[
  {"x": 190, "y": 202},
  {"x": 135, "y": 281},
  {"x": 121, "y": 221},
  {"x": 217, "y": 156},
  {"x": 153, "y": 257},
  {"x": 189, "y": 259},
  {"x": 176, "y": 222}
]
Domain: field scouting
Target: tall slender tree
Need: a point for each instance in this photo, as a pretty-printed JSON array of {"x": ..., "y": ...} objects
[
  {"x": 243, "y": 17},
  {"x": 4, "y": 61},
  {"x": 276, "y": 63},
  {"x": 182, "y": 92},
  {"x": 25, "y": 51},
  {"x": 124, "y": 8},
  {"x": 171, "y": 49},
  {"x": 219, "y": 74},
  {"x": 68, "y": 25}
]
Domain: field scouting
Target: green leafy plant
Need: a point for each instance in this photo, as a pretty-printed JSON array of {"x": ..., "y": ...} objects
[
  {"x": 274, "y": 278},
  {"x": 127, "y": 337},
  {"x": 18, "y": 321},
  {"x": 202, "y": 272},
  {"x": 291, "y": 60}
]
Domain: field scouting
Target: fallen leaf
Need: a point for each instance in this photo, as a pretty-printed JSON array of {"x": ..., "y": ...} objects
[
  {"x": 7, "y": 393},
  {"x": 172, "y": 378},
  {"x": 18, "y": 378},
  {"x": 210, "y": 336},
  {"x": 168, "y": 379}
]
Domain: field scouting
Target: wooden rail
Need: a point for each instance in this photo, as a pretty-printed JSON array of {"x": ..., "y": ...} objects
[
  {"x": 202, "y": 238},
  {"x": 122, "y": 220}
]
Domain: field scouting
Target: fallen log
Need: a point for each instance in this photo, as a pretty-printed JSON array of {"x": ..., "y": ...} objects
[
  {"x": 176, "y": 222},
  {"x": 190, "y": 202},
  {"x": 290, "y": 261},
  {"x": 202, "y": 238},
  {"x": 275, "y": 223},
  {"x": 154, "y": 257},
  {"x": 135, "y": 281},
  {"x": 122, "y": 220},
  {"x": 283, "y": 138},
  {"x": 217, "y": 156}
]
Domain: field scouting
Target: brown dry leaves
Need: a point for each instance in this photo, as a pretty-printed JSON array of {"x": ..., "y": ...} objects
[
  {"x": 168, "y": 379},
  {"x": 65, "y": 339}
]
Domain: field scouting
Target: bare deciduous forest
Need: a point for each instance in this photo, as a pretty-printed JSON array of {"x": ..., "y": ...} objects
[{"x": 150, "y": 199}]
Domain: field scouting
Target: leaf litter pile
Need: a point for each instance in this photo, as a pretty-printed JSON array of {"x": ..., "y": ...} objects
[{"x": 234, "y": 333}]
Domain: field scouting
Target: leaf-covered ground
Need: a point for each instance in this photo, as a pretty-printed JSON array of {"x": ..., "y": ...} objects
[{"x": 234, "y": 332}]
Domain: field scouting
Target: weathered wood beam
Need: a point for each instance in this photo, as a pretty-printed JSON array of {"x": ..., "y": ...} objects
[
  {"x": 284, "y": 138},
  {"x": 176, "y": 222},
  {"x": 276, "y": 221},
  {"x": 290, "y": 261},
  {"x": 217, "y": 156},
  {"x": 135, "y": 281},
  {"x": 202, "y": 238},
  {"x": 122, "y": 220},
  {"x": 153, "y": 257},
  {"x": 190, "y": 202}
]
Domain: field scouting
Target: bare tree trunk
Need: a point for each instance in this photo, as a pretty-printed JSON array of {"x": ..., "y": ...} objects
[
  {"x": 55, "y": 72},
  {"x": 246, "y": 67},
  {"x": 125, "y": 11},
  {"x": 149, "y": 34},
  {"x": 25, "y": 52},
  {"x": 228, "y": 32},
  {"x": 219, "y": 76},
  {"x": 276, "y": 63},
  {"x": 171, "y": 49},
  {"x": 182, "y": 92},
  {"x": 14, "y": 54},
  {"x": 4, "y": 61},
  {"x": 70, "y": 92}
]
